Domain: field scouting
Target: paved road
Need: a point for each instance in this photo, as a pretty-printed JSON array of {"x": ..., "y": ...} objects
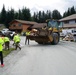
[{"x": 35, "y": 59}]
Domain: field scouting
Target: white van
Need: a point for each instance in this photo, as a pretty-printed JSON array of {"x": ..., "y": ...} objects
[
  {"x": 74, "y": 31},
  {"x": 66, "y": 31}
]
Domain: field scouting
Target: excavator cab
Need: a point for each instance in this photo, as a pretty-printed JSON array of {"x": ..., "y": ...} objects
[{"x": 54, "y": 24}]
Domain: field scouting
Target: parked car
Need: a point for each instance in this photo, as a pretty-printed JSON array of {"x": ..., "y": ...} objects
[
  {"x": 10, "y": 34},
  {"x": 4, "y": 30}
]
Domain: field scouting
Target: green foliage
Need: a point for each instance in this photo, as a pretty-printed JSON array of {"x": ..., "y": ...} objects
[
  {"x": 26, "y": 14},
  {"x": 3, "y": 16},
  {"x": 41, "y": 17},
  {"x": 56, "y": 15},
  {"x": 69, "y": 12}
]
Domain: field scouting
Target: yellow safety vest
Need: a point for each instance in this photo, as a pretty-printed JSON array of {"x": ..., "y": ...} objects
[
  {"x": 27, "y": 33},
  {"x": 16, "y": 38},
  {"x": 6, "y": 39},
  {"x": 1, "y": 44}
]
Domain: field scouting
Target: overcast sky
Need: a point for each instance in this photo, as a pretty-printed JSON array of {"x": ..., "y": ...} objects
[{"x": 36, "y": 5}]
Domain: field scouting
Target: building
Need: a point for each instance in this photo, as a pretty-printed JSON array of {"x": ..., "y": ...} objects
[
  {"x": 20, "y": 25},
  {"x": 69, "y": 22}
]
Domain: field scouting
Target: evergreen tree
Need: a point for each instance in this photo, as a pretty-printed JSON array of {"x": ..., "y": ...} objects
[
  {"x": 40, "y": 17},
  {"x": 35, "y": 17},
  {"x": 43, "y": 17},
  {"x": 10, "y": 16},
  {"x": 64, "y": 14},
  {"x": 16, "y": 15},
  {"x": 19, "y": 14},
  {"x": 3, "y": 16},
  {"x": 8, "y": 19},
  {"x": 49, "y": 14},
  {"x": 56, "y": 15},
  {"x": 72, "y": 10},
  {"x": 12, "y": 12},
  {"x": 69, "y": 12},
  {"x": 26, "y": 14}
]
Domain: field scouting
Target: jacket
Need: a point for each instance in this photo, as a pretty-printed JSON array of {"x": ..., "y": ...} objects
[
  {"x": 1, "y": 44},
  {"x": 6, "y": 39},
  {"x": 28, "y": 33},
  {"x": 16, "y": 38}
]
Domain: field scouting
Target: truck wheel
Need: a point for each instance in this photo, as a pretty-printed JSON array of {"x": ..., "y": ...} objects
[{"x": 55, "y": 39}]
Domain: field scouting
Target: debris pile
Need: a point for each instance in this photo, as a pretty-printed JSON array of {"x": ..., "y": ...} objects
[{"x": 69, "y": 37}]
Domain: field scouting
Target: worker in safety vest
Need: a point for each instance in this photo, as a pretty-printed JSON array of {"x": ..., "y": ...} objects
[
  {"x": 1, "y": 50},
  {"x": 16, "y": 40},
  {"x": 27, "y": 34},
  {"x": 7, "y": 42}
]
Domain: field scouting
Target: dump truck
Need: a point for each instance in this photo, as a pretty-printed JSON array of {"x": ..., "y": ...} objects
[{"x": 47, "y": 34}]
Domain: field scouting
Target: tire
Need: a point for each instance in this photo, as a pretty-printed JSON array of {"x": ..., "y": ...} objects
[{"x": 55, "y": 38}]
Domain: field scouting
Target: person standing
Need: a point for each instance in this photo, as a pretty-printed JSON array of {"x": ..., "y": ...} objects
[
  {"x": 1, "y": 50},
  {"x": 16, "y": 40},
  {"x": 27, "y": 34}
]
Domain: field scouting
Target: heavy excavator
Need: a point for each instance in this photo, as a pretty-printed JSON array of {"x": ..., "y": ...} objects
[{"x": 47, "y": 34}]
